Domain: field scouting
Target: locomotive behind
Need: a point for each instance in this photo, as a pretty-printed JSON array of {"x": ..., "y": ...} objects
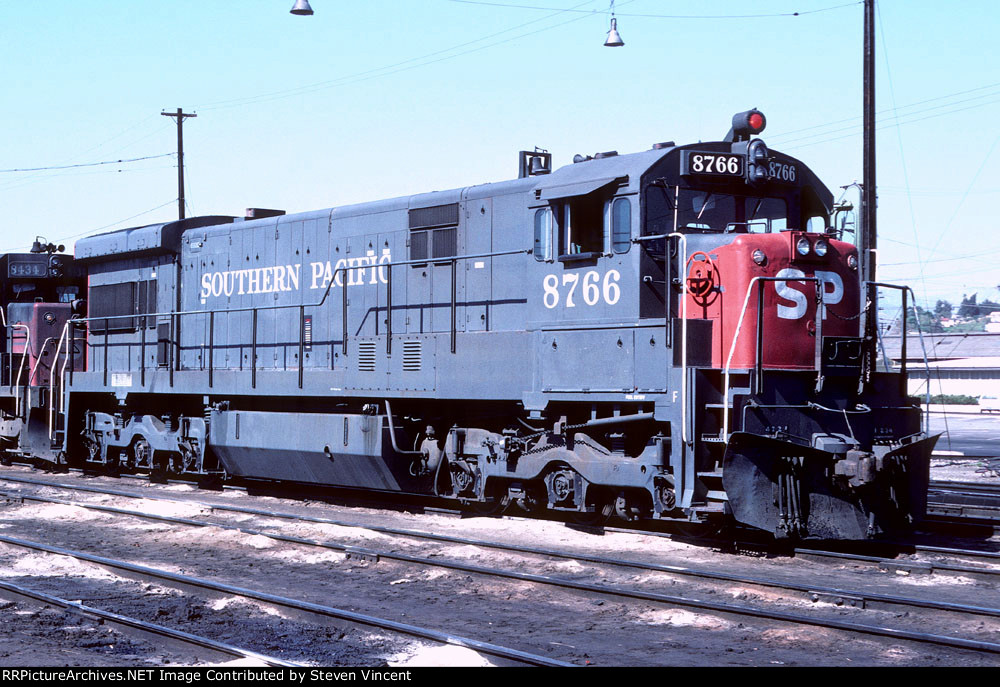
[
  {"x": 674, "y": 334},
  {"x": 40, "y": 290}
]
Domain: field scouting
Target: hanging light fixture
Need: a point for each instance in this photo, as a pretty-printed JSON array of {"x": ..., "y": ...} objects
[
  {"x": 302, "y": 8},
  {"x": 614, "y": 40}
]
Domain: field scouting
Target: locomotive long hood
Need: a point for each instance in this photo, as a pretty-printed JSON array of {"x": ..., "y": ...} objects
[{"x": 787, "y": 488}]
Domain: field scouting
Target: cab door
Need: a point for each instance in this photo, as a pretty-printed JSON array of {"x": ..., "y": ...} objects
[{"x": 477, "y": 271}]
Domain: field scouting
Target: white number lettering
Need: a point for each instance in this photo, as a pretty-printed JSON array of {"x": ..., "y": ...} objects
[
  {"x": 551, "y": 287},
  {"x": 696, "y": 163},
  {"x": 573, "y": 279},
  {"x": 591, "y": 294},
  {"x": 592, "y": 291},
  {"x": 611, "y": 291}
]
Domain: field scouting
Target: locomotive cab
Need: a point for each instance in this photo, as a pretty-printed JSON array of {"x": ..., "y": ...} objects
[
  {"x": 41, "y": 291},
  {"x": 711, "y": 284},
  {"x": 769, "y": 302}
]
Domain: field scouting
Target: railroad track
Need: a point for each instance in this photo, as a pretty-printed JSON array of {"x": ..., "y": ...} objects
[
  {"x": 859, "y": 598},
  {"x": 137, "y": 627},
  {"x": 887, "y": 562},
  {"x": 972, "y": 501}
]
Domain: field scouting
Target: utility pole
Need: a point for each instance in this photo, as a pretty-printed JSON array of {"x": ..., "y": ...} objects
[
  {"x": 868, "y": 204},
  {"x": 867, "y": 240},
  {"x": 181, "y": 115}
]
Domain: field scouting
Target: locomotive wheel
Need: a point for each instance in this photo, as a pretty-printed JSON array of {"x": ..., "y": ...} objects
[
  {"x": 140, "y": 454},
  {"x": 697, "y": 530},
  {"x": 604, "y": 508},
  {"x": 598, "y": 517},
  {"x": 496, "y": 501},
  {"x": 492, "y": 506}
]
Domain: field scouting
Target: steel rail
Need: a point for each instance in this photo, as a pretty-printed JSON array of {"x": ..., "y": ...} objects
[
  {"x": 919, "y": 548},
  {"x": 967, "y": 553},
  {"x": 921, "y": 566},
  {"x": 811, "y": 590},
  {"x": 962, "y": 519},
  {"x": 188, "y": 581},
  {"x": 135, "y": 626},
  {"x": 984, "y": 488}
]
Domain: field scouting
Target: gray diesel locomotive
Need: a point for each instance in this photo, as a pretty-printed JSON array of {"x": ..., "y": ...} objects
[{"x": 677, "y": 334}]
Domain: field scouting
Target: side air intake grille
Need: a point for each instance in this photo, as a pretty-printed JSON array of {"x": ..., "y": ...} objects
[
  {"x": 437, "y": 216},
  {"x": 366, "y": 356},
  {"x": 412, "y": 356}
]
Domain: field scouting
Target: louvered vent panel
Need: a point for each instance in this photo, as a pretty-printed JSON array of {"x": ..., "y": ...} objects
[
  {"x": 366, "y": 356},
  {"x": 412, "y": 356}
]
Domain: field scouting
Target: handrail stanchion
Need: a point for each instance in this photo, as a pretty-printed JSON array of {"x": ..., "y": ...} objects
[
  {"x": 53, "y": 376},
  {"x": 684, "y": 326},
  {"x": 454, "y": 298},
  {"x": 343, "y": 294},
  {"x": 388, "y": 309},
  {"x": 72, "y": 352},
  {"x": 20, "y": 367},
  {"x": 902, "y": 341},
  {"x": 253, "y": 352},
  {"x": 107, "y": 329},
  {"x": 211, "y": 349},
  {"x": 302, "y": 341},
  {"x": 758, "y": 383},
  {"x": 170, "y": 349},
  {"x": 818, "y": 348},
  {"x": 142, "y": 357}
]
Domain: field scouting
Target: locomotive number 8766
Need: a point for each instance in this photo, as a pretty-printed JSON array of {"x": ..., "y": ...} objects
[{"x": 675, "y": 334}]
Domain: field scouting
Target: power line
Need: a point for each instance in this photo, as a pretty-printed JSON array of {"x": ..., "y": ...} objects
[
  {"x": 884, "y": 126},
  {"x": 961, "y": 202},
  {"x": 895, "y": 109},
  {"x": 891, "y": 121},
  {"x": 659, "y": 16},
  {"x": 94, "y": 231},
  {"x": 421, "y": 61},
  {"x": 108, "y": 226},
  {"x": 86, "y": 164}
]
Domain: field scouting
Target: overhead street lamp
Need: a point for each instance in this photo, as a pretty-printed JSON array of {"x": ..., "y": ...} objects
[{"x": 302, "y": 7}]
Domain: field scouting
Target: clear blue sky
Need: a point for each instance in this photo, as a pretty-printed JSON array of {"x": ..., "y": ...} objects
[{"x": 382, "y": 98}]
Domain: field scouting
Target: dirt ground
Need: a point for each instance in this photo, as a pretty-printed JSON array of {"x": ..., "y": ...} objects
[{"x": 569, "y": 626}]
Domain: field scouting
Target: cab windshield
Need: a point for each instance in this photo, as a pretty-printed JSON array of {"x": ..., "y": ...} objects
[{"x": 702, "y": 210}]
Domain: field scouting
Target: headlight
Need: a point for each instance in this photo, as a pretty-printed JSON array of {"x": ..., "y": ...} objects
[
  {"x": 759, "y": 256},
  {"x": 821, "y": 248},
  {"x": 852, "y": 261},
  {"x": 802, "y": 246}
]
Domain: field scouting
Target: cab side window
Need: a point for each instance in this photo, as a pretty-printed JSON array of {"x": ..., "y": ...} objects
[
  {"x": 621, "y": 225},
  {"x": 543, "y": 234},
  {"x": 582, "y": 226}
]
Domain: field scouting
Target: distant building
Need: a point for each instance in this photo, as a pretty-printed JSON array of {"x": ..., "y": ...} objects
[
  {"x": 993, "y": 326},
  {"x": 966, "y": 364}
]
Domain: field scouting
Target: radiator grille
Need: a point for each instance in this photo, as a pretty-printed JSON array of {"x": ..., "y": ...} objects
[
  {"x": 366, "y": 356},
  {"x": 412, "y": 356}
]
